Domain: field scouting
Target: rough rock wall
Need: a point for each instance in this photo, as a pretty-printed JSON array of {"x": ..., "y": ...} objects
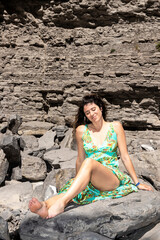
[{"x": 52, "y": 52}]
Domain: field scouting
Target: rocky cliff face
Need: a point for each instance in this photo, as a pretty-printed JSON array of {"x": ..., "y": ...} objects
[{"x": 53, "y": 52}]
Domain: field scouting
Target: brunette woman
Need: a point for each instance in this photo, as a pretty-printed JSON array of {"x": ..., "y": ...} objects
[{"x": 97, "y": 173}]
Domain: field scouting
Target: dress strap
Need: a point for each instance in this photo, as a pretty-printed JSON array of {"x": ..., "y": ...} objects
[
  {"x": 84, "y": 131},
  {"x": 111, "y": 127}
]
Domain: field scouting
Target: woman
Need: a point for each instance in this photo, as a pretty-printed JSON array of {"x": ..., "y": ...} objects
[{"x": 97, "y": 173}]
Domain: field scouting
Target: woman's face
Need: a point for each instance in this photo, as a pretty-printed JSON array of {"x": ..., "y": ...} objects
[{"x": 92, "y": 112}]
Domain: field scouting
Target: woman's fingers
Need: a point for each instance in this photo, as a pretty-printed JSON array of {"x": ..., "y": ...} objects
[{"x": 145, "y": 187}]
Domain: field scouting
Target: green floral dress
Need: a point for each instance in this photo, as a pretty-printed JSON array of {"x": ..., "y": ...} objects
[{"x": 106, "y": 154}]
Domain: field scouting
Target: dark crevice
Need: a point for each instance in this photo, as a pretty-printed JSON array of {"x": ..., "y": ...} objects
[
  {"x": 138, "y": 233},
  {"x": 147, "y": 178},
  {"x": 45, "y": 105}
]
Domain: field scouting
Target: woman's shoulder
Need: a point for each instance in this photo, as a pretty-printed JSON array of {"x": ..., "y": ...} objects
[
  {"x": 80, "y": 129},
  {"x": 117, "y": 126}
]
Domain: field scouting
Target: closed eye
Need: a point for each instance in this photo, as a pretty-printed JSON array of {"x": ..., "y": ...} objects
[{"x": 92, "y": 109}]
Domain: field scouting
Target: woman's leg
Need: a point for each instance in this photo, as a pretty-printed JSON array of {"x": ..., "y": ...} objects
[{"x": 101, "y": 177}]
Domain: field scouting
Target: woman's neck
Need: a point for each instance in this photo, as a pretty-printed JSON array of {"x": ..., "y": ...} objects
[{"x": 98, "y": 125}]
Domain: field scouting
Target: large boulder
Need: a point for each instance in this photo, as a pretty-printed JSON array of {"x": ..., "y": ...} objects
[
  {"x": 33, "y": 168},
  {"x": 111, "y": 218}
]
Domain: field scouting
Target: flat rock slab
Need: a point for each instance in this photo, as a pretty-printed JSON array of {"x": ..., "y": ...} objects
[
  {"x": 16, "y": 196},
  {"x": 34, "y": 128},
  {"x": 108, "y": 218}
]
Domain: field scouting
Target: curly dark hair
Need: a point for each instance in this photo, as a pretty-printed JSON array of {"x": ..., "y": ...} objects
[{"x": 80, "y": 117}]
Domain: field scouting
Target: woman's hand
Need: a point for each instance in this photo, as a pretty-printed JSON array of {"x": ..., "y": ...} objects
[{"x": 142, "y": 186}]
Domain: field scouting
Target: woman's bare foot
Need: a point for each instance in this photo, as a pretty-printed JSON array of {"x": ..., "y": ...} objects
[
  {"x": 56, "y": 208},
  {"x": 38, "y": 207}
]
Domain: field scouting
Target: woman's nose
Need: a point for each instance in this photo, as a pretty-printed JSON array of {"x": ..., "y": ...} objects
[{"x": 91, "y": 112}]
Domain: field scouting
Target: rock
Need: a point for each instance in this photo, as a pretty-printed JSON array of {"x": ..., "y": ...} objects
[
  {"x": 34, "y": 128},
  {"x": 4, "y": 234},
  {"x": 3, "y": 127},
  {"x": 90, "y": 236},
  {"x": 37, "y": 190},
  {"x": 33, "y": 168},
  {"x": 50, "y": 192},
  {"x": 47, "y": 140},
  {"x": 16, "y": 173},
  {"x": 60, "y": 131},
  {"x": 63, "y": 176},
  {"x": 14, "y": 123},
  {"x": 63, "y": 157},
  {"x": 6, "y": 214},
  {"x": 31, "y": 142},
  {"x": 11, "y": 149},
  {"x": 16, "y": 196},
  {"x": 49, "y": 182},
  {"x": 68, "y": 139},
  {"x": 153, "y": 234},
  {"x": 11, "y": 182},
  {"x": 147, "y": 147},
  {"x": 147, "y": 166},
  {"x": 4, "y": 164},
  {"x": 111, "y": 218}
]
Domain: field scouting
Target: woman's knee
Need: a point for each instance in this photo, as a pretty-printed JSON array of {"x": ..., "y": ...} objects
[{"x": 89, "y": 162}]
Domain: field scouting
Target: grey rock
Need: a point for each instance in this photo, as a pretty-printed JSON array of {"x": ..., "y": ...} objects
[
  {"x": 16, "y": 196},
  {"x": 34, "y": 128},
  {"x": 37, "y": 190},
  {"x": 63, "y": 157},
  {"x": 11, "y": 149},
  {"x": 4, "y": 164},
  {"x": 110, "y": 218},
  {"x": 68, "y": 139},
  {"x": 4, "y": 234},
  {"x": 50, "y": 180},
  {"x": 50, "y": 192},
  {"x": 16, "y": 173},
  {"x": 60, "y": 131},
  {"x": 147, "y": 166},
  {"x": 6, "y": 214},
  {"x": 3, "y": 127},
  {"x": 89, "y": 236},
  {"x": 63, "y": 176},
  {"x": 153, "y": 234},
  {"x": 14, "y": 123},
  {"x": 33, "y": 168},
  {"x": 31, "y": 142},
  {"x": 147, "y": 147},
  {"x": 47, "y": 140}
]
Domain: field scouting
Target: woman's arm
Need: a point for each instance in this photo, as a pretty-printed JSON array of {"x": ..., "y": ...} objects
[
  {"x": 81, "y": 152},
  {"x": 125, "y": 156}
]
